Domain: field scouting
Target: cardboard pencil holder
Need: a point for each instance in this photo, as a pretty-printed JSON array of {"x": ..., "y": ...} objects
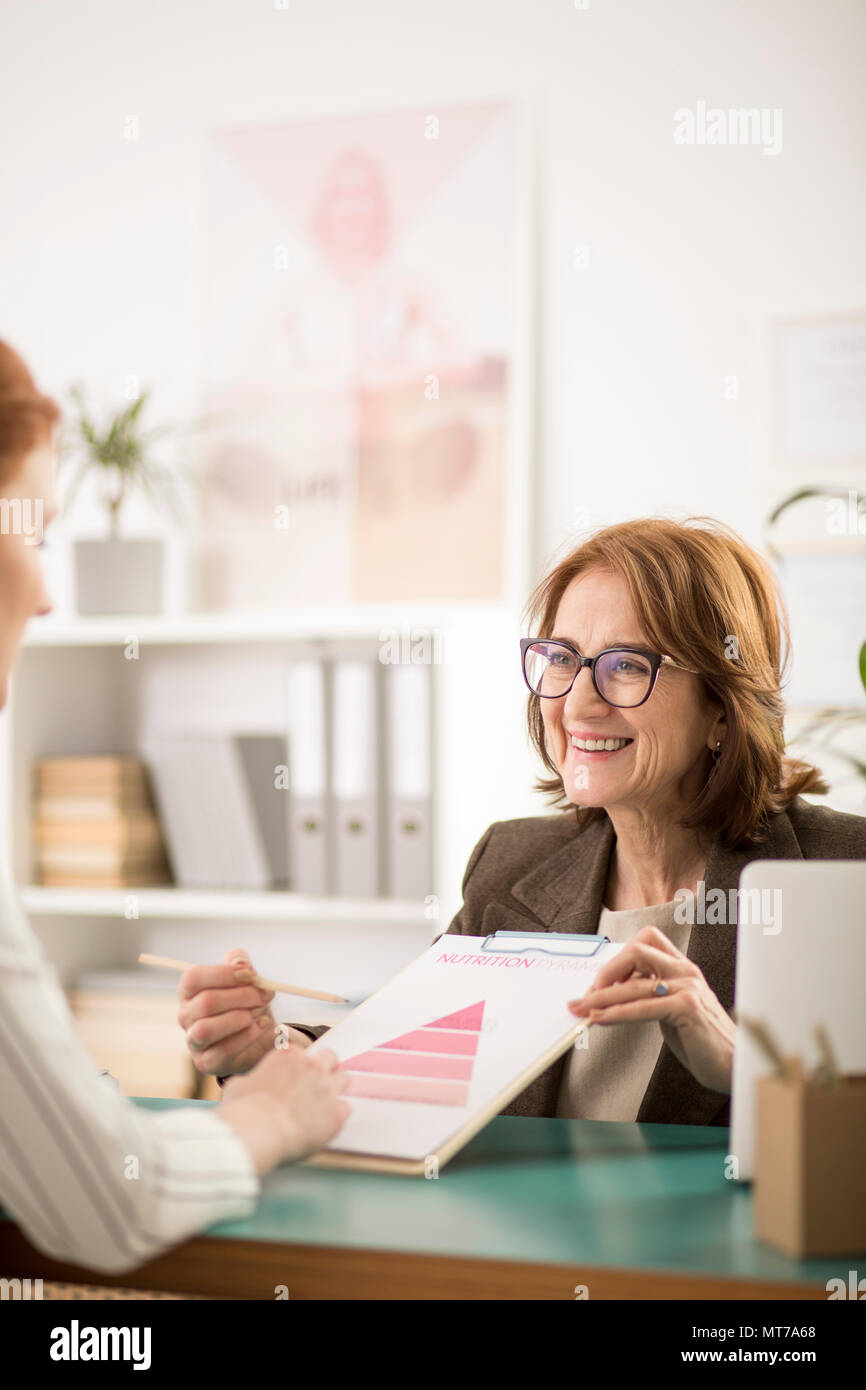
[{"x": 809, "y": 1151}]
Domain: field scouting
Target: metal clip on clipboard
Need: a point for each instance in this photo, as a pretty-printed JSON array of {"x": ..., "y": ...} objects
[{"x": 568, "y": 944}]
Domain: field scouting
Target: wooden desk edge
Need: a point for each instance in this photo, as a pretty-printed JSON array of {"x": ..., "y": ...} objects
[{"x": 242, "y": 1269}]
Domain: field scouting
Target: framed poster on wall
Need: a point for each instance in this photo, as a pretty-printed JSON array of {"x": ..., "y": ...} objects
[
  {"x": 819, "y": 396},
  {"x": 367, "y": 345},
  {"x": 824, "y": 588}
]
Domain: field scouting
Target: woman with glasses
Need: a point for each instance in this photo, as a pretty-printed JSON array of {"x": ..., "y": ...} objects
[{"x": 655, "y": 706}]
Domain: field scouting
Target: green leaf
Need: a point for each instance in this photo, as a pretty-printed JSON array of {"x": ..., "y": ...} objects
[
  {"x": 120, "y": 451},
  {"x": 799, "y": 496},
  {"x": 72, "y": 490}
]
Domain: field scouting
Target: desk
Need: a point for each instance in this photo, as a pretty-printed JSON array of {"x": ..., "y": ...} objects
[{"x": 529, "y": 1209}]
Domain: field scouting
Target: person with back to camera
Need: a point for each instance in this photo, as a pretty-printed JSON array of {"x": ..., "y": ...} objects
[{"x": 66, "y": 1133}]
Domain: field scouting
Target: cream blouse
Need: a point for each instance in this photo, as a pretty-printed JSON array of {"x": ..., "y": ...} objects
[
  {"x": 87, "y": 1175},
  {"x": 609, "y": 1068}
]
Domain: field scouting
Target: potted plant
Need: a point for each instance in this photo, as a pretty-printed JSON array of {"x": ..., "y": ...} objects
[
  {"x": 825, "y": 725},
  {"x": 118, "y": 574}
]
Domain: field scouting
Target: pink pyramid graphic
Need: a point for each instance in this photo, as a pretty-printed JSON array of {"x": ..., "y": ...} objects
[
  {"x": 432, "y": 1065},
  {"x": 366, "y": 179},
  {"x": 470, "y": 1019}
]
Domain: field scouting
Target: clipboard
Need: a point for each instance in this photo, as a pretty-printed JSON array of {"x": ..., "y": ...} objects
[{"x": 580, "y": 945}]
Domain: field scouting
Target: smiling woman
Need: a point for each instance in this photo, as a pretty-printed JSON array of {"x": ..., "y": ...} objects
[
  {"x": 655, "y": 680},
  {"x": 705, "y": 603}
]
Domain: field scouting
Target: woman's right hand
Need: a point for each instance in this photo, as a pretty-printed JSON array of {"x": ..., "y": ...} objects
[
  {"x": 287, "y": 1107},
  {"x": 227, "y": 1020}
]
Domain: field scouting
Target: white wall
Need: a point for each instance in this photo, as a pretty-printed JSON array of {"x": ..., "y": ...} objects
[{"x": 692, "y": 251}]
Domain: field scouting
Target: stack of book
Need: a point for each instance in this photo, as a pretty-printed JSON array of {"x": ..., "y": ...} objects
[
  {"x": 127, "y": 1020},
  {"x": 95, "y": 824}
]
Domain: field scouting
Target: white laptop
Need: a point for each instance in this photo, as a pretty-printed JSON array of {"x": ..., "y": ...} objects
[{"x": 801, "y": 960}]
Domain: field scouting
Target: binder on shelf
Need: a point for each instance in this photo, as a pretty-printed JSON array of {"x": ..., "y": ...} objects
[
  {"x": 207, "y": 810},
  {"x": 309, "y": 831},
  {"x": 408, "y": 722},
  {"x": 172, "y": 773},
  {"x": 355, "y": 768},
  {"x": 204, "y": 770},
  {"x": 236, "y": 852},
  {"x": 262, "y": 756}
]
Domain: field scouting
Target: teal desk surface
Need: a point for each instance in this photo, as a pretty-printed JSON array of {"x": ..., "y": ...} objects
[{"x": 571, "y": 1192}]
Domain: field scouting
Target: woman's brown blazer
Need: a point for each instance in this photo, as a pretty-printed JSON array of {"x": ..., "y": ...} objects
[{"x": 542, "y": 874}]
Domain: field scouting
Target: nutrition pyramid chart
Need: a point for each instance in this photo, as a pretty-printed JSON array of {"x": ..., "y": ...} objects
[
  {"x": 443, "y": 1046},
  {"x": 432, "y": 1064}
]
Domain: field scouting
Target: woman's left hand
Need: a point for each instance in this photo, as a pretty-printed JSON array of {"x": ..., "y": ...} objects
[{"x": 694, "y": 1025}]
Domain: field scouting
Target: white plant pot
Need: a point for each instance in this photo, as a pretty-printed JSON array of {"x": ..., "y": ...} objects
[{"x": 119, "y": 576}]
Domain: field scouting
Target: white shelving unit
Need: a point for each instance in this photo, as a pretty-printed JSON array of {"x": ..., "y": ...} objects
[
  {"x": 315, "y": 622},
  {"x": 192, "y": 905},
  {"x": 97, "y": 685}
]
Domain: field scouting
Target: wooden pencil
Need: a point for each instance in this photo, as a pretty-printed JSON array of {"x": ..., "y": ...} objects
[{"x": 276, "y": 985}]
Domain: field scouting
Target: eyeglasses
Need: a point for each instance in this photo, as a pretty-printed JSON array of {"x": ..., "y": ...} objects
[{"x": 623, "y": 676}]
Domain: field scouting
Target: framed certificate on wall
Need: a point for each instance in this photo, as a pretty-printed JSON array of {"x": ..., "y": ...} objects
[{"x": 819, "y": 396}]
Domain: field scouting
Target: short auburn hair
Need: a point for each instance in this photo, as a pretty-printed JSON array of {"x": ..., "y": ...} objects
[
  {"x": 26, "y": 416},
  {"x": 704, "y": 597}
]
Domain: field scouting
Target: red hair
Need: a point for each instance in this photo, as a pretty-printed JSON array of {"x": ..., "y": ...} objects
[
  {"x": 26, "y": 416},
  {"x": 695, "y": 586}
]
